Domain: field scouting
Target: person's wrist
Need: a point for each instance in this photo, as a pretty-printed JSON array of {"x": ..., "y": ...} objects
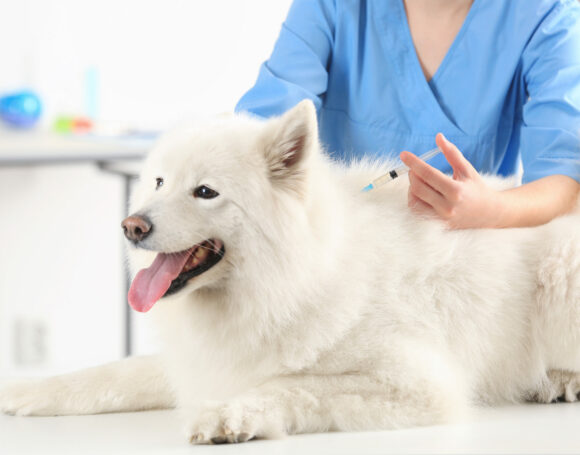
[{"x": 504, "y": 214}]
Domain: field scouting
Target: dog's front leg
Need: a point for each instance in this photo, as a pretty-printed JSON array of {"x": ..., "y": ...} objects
[
  {"x": 132, "y": 384},
  {"x": 317, "y": 403}
]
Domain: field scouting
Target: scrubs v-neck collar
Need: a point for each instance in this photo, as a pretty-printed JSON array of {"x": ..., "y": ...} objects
[{"x": 425, "y": 96}]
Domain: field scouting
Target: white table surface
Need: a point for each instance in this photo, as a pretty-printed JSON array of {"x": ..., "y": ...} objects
[{"x": 530, "y": 429}]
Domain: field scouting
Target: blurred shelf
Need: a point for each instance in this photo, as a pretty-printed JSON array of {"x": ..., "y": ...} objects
[{"x": 36, "y": 148}]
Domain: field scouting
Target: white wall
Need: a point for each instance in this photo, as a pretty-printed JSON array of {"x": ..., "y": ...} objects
[
  {"x": 158, "y": 61},
  {"x": 61, "y": 268}
]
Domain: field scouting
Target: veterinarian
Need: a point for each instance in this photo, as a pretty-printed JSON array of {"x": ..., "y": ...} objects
[{"x": 501, "y": 80}]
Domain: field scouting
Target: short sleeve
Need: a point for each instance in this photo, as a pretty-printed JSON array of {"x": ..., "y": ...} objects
[
  {"x": 550, "y": 134},
  {"x": 297, "y": 68}
]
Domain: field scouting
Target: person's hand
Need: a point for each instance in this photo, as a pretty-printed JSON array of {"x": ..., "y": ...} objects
[{"x": 463, "y": 201}]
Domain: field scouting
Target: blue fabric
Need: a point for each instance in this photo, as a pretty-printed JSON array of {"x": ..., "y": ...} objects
[{"x": 509, "y": 86}]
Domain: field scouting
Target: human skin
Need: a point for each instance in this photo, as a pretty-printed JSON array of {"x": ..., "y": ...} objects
[
  {"x": 434, "y": 24},
  {"x": 464, "y": 201}
]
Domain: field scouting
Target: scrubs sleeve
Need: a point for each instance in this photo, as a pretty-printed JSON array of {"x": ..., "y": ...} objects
[
  {"x": 550, "y": 135},
  {"x": 297, "y": 68}
]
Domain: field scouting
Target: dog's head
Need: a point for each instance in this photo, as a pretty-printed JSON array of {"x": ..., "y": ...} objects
[{"x": 207, "y": 194}]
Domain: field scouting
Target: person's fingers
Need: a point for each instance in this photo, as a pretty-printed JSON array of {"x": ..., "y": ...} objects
[
  {"x": 422, "y": 191},
  {"x": 418, "y": 206},
  {"x": 461, "y": 167},
  {"x": 430, "y": 175}
]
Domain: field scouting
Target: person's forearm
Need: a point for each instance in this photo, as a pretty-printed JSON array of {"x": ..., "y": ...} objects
[
  {"x": 537, "y": 202},
  {"x": 466, "y": 201}
]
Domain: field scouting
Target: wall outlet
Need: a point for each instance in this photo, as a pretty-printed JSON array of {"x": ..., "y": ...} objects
[{"x": 30, "y": 342}]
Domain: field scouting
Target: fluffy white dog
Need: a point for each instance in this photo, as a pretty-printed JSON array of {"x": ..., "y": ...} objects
[{"x": 289, "y": 301}]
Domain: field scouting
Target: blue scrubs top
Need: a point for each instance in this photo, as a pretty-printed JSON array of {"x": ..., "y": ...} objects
[{"x": 509, "y": 85}]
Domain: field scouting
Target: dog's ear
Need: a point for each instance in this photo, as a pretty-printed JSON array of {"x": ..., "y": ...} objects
[{"x": 291, "y": 139}]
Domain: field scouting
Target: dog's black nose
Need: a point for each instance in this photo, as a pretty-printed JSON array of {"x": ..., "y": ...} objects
[{"x": 136, "y": 227}]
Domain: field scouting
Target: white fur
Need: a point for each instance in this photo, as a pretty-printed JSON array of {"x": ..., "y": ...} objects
[{"x": 332, "y": 309}]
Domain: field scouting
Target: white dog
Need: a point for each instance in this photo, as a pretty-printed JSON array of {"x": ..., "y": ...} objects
[{"x": 289, "y": 301}]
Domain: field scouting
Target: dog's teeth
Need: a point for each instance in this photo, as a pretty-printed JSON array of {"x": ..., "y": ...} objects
[
  {"x": 200, "y": 253},
  {"x": 190, "y": 264}
]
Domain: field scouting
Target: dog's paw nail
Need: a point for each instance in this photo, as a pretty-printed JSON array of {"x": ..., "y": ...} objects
[
  {"x": 196, "y": 438},
  {"x": 228, "y": 431}
]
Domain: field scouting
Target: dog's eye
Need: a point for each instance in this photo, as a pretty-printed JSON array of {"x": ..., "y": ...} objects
[
  {"x": 205, "y": 192},
  {"x": 159, "y": 184}
]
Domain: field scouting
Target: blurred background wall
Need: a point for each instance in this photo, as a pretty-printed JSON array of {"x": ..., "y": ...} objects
[{"x": 145, "y": 64}]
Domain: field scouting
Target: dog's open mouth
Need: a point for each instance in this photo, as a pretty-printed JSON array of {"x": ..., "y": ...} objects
[
  {"x": 170, "y": 272},
  {"x": 202, "y": 257}
]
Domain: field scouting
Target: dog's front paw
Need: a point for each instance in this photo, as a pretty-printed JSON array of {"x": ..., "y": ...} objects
[
  {"x": 26, "y": 398},
  {"x": 238, "y": 421}
]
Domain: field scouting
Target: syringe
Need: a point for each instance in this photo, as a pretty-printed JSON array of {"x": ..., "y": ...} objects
[{"x": 398, "y": 171}]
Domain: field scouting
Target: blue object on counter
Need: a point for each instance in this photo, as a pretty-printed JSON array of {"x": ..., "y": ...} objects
[{"x": 20, "y": 109}]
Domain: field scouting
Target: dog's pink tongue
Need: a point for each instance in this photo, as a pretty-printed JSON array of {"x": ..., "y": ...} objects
[{"x": 151, "y": 283}]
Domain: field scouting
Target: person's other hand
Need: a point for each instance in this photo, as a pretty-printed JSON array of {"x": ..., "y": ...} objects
[{"x": 463, "y": 201}]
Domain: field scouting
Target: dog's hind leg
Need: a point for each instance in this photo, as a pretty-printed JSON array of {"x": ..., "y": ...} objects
[
  {"x": 557, "y": 317},
  {"x": 132, "y": 384},
  {"x": 558, "y": 296},
  {"x": 559, "y": 385}
]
